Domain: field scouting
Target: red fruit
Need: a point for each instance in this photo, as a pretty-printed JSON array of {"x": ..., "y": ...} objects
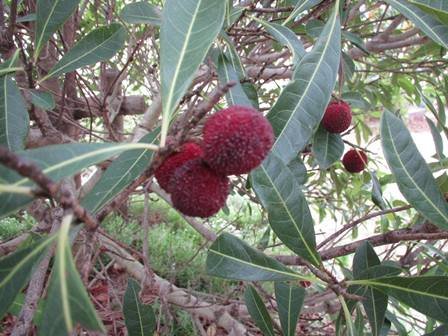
[
  {"x": 198, "y": 191},
  {"x": 305, "y": 283},
  {"x": 337, "y": 117},
  {"x": 354, "y": 161},
  {"x": 165, "y": 171},
  {"x": 236, "y": 140}
]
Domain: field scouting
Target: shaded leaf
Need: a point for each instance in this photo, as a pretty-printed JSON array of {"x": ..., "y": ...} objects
[
  {"x": 327, "y": 147},
  {"x": 188, "y": 29},
  {"x": 57, "y": 162},
  {"x": 258, "y": 311},
  {"x": 289, "y": 215},
  {"x": 231, "y": 258},
  {"x": 414, "y": 179},
  {"x": 301, "y": 6},
  {"x": 433, "y": 28},
  {"x": 437, "y": 8},
  {"x": 365, "y": 257},
  {"x": 440, "y": 331},
  {"x": 438, "y": 141},
  {"x": 141, "y": 12},
  {"x": 286, "y": 37},
  {"x": 99, "y": 45},
  {"x": 226, "y": 73},
  {"x": 123, "y": 170},
  {"x": 15, "y": 271},
  {"x": 139, "y": 318},
  {"x": 67, "y": 302},
  {"x": 426, "y": 294},
  {"x": 289, "y": 301},
  {"x": 50, "y": 15},
  {"x": 14, "y": 119},
  {"x": 377, "y": 193},
  {"x": 42, "y": 99},
  {"x": 301, "y": 105}
]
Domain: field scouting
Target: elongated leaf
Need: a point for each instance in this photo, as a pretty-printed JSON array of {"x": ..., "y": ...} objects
[
  {"x": 233, "y": 56},
  {"x": 258, "y": 311},
  {"x": 289, "y": 301},
  {"x": 50, "y": 14},
  {"x": 57, "y": 162},
  {"x": 140, "y": 319},
  {"x": 433, "y": 28},
  {"x": 327, "y": 147},
  {"x": 11, "y": 65},
  {"x": 141, "y": 12},
  {"x": 301, "y": 105},
  {"x": 289, "y": 215},
  {"x": 438, "y": 8},
  {"x": 188, "y": 29},
  {"x": 377, "y": 193},
  {"x": 375, "y": 302},
  {"x": 15, "y": 270},
  {"x": 123, "y": 170},
  {"x": 414, "y": 179},
  {"x": 42, "y": 99},
  {"x": 438, "y": 141},
  {"x": 440, "y": 331},
  {"x": 285, "y": 36},
  {"x": 301, "y": 6},
  {"x": 67, "y": 302},
  {"x": 231, "y": 258},
  {"x": 426, "y": 294},
  {"x": 226, "y": 73},
  {"x": 14, "y": 119},
  {"x": 99, "y": 45}
]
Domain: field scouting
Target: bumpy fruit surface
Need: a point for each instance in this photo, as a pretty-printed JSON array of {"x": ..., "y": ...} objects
[
  {"x": 197, "y": 190},
  {"x": 337, "y": 117},
  {"x": 236, "y": 140},
  {"x": 165, "y": 171},
  {"x": 354, "y": 161}
]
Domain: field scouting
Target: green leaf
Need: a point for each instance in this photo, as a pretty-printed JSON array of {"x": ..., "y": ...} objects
[
  {"x": 11, "y": 65},
  {"x": 375, "y": 302},
  {"x": 14, "y": 119},
  {"x": 57, "y": 162},
  {"x": 226, "y": 73},
  {"x": 140, "y": 319},
  {"x": 301, "y": 105},
  {"x": 141, "y": 12},
  {"x": 433, "y": 28},
  {"x": 187, "y": 32},
  {"x": 231, "y": 258},
  {"x": 258, "y": 311},
  {"x": 377, "y": 193},
  {"x": 123, "y": 170},
  {"x": 27, "y": 18},
  {"x": 437, "y": 8},
  {"x": 67, "y": 302},
  {"x": 327, "y": 147},
  {"x": 426, "y": 294},
  {"x": 99, "y": 45},
  {"x": 438, "y": 141},
  {"x": 289, "y": 215},
  {"x": 289, "y": 301},
  {"x": 301, "y": 6},
  {"x": 15, "y": 270},
  {"x": 233, "y": 56},
  {"x": 42, "y": 99},
  {"x": 50, "y": 15},
  {"x": 286, "y": 37},
  {"x": 414, "y": 179},
  {"x": 365, "y": 257},
  {"x": 440, "y": 331}
]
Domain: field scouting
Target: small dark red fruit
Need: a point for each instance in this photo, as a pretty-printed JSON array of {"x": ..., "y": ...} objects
[
  {"x": 337, "y": 117},
  {"x": 165, "y": 171},
  {"x": 305, "y": 283},
  {"x": 198, "y": 191},
  {"x": 354, "y": 161},
  {"x": 236, "y": 140}
]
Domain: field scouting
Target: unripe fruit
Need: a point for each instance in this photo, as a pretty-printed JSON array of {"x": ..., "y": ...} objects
[
  {"x": 165, "y": 171},
  {"x": 198, "y": 191},
  {"x": 337, "y": 117},
  {"x": 236, "y": 140},
  {"x": 354, "y": 161}
]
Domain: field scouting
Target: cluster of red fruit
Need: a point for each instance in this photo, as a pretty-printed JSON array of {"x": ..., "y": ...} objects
[
  {"x": 235, "y": 141},
  {"x": 337, "y": 119}
]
